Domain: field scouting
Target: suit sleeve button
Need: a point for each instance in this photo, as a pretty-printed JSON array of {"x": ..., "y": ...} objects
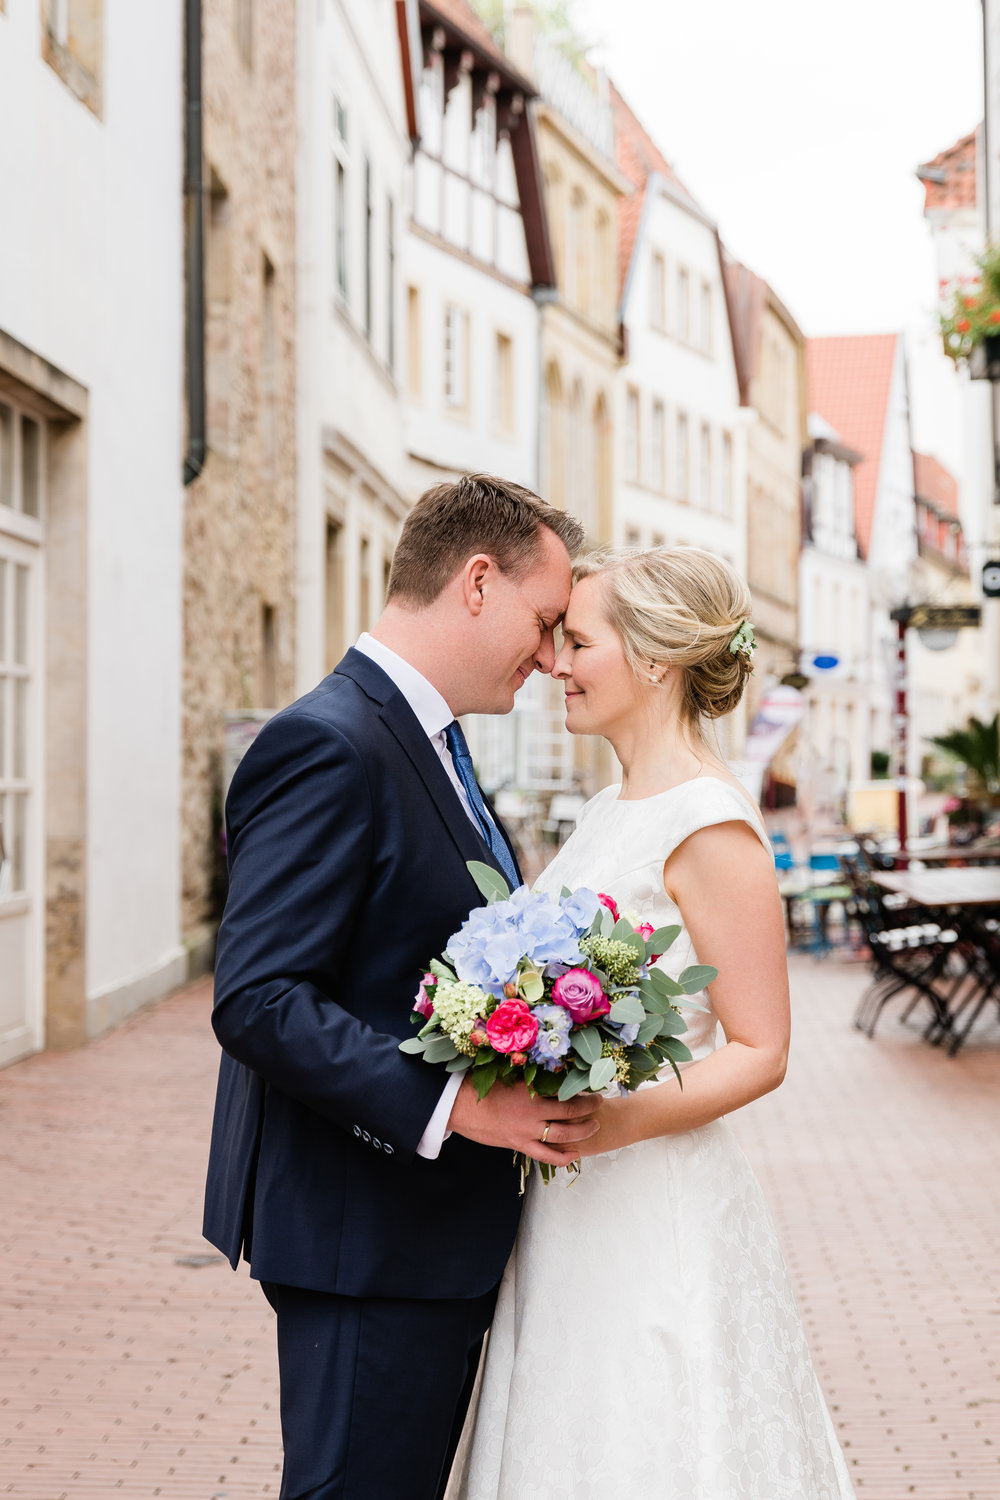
[
  {"x": 387, "y": 1149},
  {"x": 357, "y": 1131},
  {"x": 366, "y": 1137}
]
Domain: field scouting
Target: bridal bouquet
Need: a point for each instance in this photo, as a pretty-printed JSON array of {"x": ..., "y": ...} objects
[{"x": 560, "y": 993}]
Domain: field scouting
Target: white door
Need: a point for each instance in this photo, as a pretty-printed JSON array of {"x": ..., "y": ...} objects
[{"x": 21, "y": 875}]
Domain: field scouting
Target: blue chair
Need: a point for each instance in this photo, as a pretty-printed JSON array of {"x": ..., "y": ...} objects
[{"x": 783, "y": 857}]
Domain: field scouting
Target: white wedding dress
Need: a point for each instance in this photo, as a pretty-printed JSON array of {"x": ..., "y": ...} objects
[{"x": 646, "y": 1342}]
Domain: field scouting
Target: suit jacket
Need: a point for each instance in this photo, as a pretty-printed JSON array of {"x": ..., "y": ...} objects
[{"x": 348, "y": 850}]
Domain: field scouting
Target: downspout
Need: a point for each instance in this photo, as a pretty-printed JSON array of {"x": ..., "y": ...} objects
[{"x": 194, "y": 244}]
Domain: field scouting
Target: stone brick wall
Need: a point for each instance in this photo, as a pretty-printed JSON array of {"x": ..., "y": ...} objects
[{"x": 239, "y": 535}]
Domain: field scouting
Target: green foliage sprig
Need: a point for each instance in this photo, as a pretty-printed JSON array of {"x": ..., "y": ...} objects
[{"x": 975, "y": 309}]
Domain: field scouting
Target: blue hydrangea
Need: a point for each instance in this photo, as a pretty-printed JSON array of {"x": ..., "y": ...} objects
[
  {"x": 555, "y": 1017},
  {"x": 581, "y": 908},
  {"x": 495, "y": 938},
  {"x": 627, "y": 1032}
]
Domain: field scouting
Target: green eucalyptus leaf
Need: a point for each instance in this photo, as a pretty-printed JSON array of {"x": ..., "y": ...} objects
[
  {"x": 490, "y": 882},
  {"x": 653, "y": 999},
  {"x": 662, "y": 939},
  {"x": 649, "y": 1029},
  {"x": 672, "y": 1024},
  {"x": 675, "y": 1050},
  {"x": 697, "y": 977},
  {"x": 413, "y": 1045},
  {"x": 586, "y": 1043},
  {"x": 602, "y": 1073},
  {"x": 565, "y": 893},
  {"x": 664, "y": 983},
  {"x": 628, "y": 1009},
  {"x": 607, "y": 922},
  {"x": 438, "y": 1049},
  {"x": 574, "y": 1083},
  {"x": 441, "y": 971},
  {"x": 460, "y": 1064},
  {"x": 622, "y": 930},
  {"x": 635, "y": 942}
]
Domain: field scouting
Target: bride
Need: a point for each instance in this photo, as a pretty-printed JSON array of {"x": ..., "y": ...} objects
[{"x": 646, "y": 1342}]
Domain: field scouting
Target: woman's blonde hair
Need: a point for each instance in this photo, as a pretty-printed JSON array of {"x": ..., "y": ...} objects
[{"x": 678, "y": 607}]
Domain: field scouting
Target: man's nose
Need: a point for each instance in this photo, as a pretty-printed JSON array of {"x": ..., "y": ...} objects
[{"x": 546, "y": 654}]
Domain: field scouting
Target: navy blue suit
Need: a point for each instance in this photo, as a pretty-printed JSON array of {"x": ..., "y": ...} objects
[{"x": 348, "y": 849}]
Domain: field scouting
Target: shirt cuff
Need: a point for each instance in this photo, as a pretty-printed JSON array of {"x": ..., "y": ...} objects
[{"x": 437, "y": 1131}]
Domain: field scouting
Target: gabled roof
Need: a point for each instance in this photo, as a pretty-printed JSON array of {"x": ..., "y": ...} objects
[
  {"x": 747, "y": 296},
  {"x": 949, "y": 179},
  {"x": 463, "y": 19},
  {"x": 936, "y": 484},
  {"x": 849, "y": 383},
  {"x": 638, "y": 157}
]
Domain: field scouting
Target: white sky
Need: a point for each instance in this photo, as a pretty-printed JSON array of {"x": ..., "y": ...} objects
[{"x": 798, "y": 126}]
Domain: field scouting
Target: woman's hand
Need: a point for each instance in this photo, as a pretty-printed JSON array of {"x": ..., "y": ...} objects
[{"x": 618, "y": 1121}]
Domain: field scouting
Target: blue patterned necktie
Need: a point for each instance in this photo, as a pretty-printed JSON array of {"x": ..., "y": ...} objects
[{"x": 459, "y": 749}]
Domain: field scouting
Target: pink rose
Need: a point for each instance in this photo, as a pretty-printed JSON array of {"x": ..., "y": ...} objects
[
  {"x": 610, "y": 903},
  {"x": 581, "y": 994},
  {"x": 478, "y": 1037},
  {"x": 511, "y": 1027},
  {"x": 519, "y": 1059},
  {"x": 423, "y": 1004},
  {"x": 645, "y": 931}
]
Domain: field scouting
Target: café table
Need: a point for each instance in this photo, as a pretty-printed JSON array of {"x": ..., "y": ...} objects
[
  {"x": 958, "y": 854},
  {"x": 966, "y": 897}
]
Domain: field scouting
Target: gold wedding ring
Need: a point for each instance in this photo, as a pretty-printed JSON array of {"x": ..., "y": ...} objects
[{"x": 545, "y": 1132}]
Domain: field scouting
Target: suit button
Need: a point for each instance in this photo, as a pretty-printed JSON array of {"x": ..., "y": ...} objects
[
  {"x": 376, "y": 1143},
  {"x": 357, "y": 1131},
  {"x": 387, "y": 1149},
  {"x": 366, "y": 1137}
]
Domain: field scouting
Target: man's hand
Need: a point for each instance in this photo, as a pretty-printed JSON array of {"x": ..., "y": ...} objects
[{"x": 510, "y": 1117}]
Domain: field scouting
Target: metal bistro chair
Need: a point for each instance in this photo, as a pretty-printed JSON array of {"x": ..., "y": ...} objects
[{"x": 904, "y": 956}]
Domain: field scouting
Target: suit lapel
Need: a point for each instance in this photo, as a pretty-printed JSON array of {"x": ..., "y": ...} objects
[{"x": 405, "y": 728}]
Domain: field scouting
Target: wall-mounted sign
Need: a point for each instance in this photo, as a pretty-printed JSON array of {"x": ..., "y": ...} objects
[{"x": 939, "y": 616}]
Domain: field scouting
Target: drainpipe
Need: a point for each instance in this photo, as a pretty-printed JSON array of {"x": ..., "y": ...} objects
[{"x": 194, "y": 244}]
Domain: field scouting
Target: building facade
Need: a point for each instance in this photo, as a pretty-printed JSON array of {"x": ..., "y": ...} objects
[
  {"x": 356, "y": 120},
  {"x": 833, "y": 744},
  {"x": 240, "y": 508},
  {"x": 771, "y": 367},
  {"x": 91, "y": 301},
  {"x": 682, "y": 465}
]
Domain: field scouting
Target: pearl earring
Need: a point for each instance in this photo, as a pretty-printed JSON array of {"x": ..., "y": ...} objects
[{"x": 653, "y": 677}]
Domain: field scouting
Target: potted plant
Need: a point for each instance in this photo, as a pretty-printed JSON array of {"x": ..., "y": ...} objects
[
  {"x": 971, "y": 329},
  {"x": 977, "y": 748}
]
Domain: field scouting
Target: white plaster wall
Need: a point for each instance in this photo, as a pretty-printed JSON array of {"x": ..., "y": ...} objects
[
  {"x": 470, "y": 440},
  {"x": 704, "y": 386},
  {"x": 91, "y": 278}
]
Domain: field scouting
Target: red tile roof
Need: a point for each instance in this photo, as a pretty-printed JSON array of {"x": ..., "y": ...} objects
[
  {"x": 849, "y": 381},
  {"x": 637, "y": 156},
  {"x": 950, "y": 178},
  {"x": 932, "y": 481}
]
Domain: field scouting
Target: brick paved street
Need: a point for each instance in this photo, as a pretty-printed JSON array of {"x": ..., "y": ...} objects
[{"x": 133, "y": 1367}]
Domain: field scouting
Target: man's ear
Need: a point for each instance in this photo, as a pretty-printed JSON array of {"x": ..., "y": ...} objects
[{"x": 475, "y": 576}]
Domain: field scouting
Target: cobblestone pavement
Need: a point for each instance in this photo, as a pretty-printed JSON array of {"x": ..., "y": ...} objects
[{"x": 136, "y": 1364}]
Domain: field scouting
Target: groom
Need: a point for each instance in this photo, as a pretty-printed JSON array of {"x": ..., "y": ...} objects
[{"x": 375, "y": 1198}]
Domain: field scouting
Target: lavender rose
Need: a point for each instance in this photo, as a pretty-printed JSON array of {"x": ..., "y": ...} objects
[{"x": 580, "y": 993}]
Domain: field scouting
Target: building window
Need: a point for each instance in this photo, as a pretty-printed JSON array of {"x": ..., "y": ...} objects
[
  {"x": 268, "y": 684},
  {"x": 705, "y": 467},
  {"x": 705, "y": 331},
  {"x": 683, "y": 329},
  {"x": 726, "y": 475},
  {"x": 340, "y": 165},
  {"x": 552, "y": 443},
  {"x": 503, "y": 384},
  {"x": 632, "y": 434},
  {"x": 368, "y": 249},
  {"x": 244, "y": 30},
  {"x": 390, "y": 295},
  {"x": 456, "y": 358},
  {"x": 657, "y": 291},
  {"x": 414, "y": 385},
  {"x": 633, "y": 537},
  {"x": 73, "y": 47},
  {"x": 657, "y": 469},
  {"x": 681, "y": 471},
  {"x": 21, "y": 455},
  {"x": 268, "y": 379},
  {"x": 365, "y": 584},
  {"x": 574, "y": 252},
  {"x": 334, "y": 594},
  {"x": 484, "y": 144},
  {"x": 605, "y": 288}
]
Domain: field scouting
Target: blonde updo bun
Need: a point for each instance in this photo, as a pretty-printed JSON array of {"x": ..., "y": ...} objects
[{"x": 678, "y": 607}]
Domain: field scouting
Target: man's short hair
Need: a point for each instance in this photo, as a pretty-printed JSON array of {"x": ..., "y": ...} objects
[{"x": 480, "y": 513}]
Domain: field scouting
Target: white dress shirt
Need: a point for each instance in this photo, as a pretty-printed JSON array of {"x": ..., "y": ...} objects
[{"x": 434, "y": 716}]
